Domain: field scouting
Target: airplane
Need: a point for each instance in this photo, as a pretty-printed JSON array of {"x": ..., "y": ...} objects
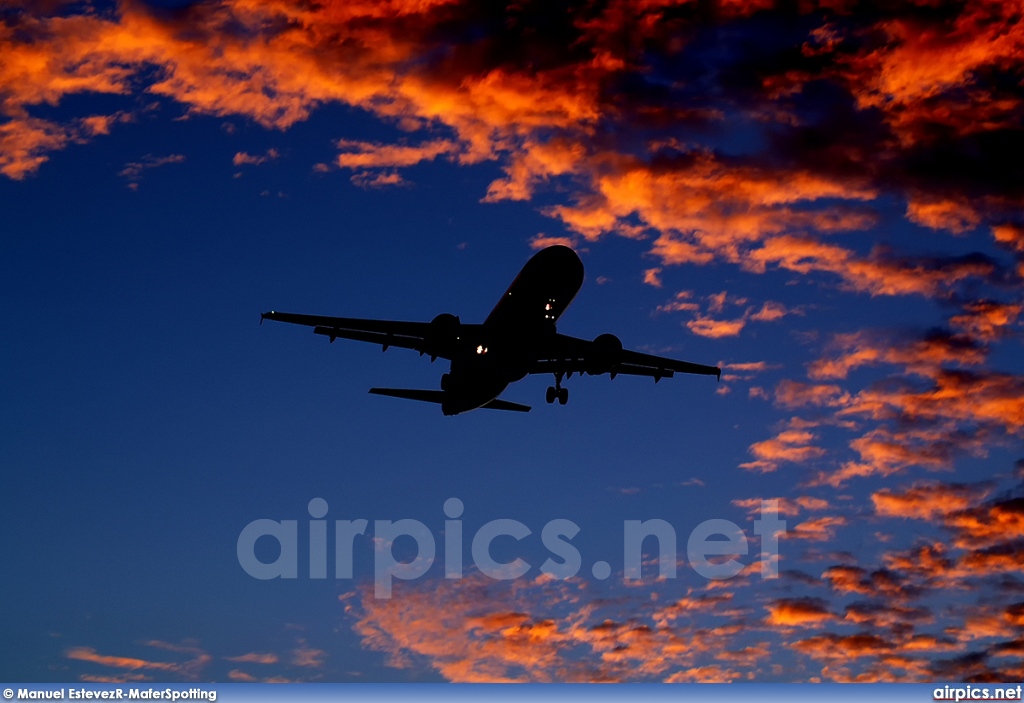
[{"x": 517, "y": 338}]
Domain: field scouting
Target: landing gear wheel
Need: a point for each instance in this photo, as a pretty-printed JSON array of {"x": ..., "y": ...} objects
[
  {"x": 551, "y": 395},
  {"x": 563, "y": 396}
]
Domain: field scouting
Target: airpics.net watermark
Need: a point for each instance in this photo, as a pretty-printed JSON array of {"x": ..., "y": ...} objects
[{"x": 565, "y": 561}]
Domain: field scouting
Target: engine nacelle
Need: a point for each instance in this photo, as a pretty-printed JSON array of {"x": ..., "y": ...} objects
[
  {"x": 607, "y": 349},
  {"x": 445, "y": 321},
  {"x": 444, "y": 331}
]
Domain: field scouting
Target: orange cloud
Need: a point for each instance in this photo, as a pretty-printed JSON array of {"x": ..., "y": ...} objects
[
  {"x": 369, "y": 179},
  {"x": 1011, "y": 236},
  {"x": 832, "y": 646},
  {"x": 255, "y": 658},
  {"x": 89, "y": 654},
  {"x": 188, "y": 670},
  {"x": 133, "y": 170},
  {"x": 822, "y": 529},
  {"x": 799, "y": 612},
  {"x": 242, "y": 158},
  {"x": 848, "y": 579},
  {"x": 989, "y": 524},
  {"x": 652, "y": 277},
  {"x": 304, "y": 655},
  {"x": 793, "y": 394},
  {"x": 276, "y": 62},
  {"x": 947, "y": 214},
  {"x": 476, "y": 629},
  {"x": 851, "y": 351},
  {"x": 926, "y": 501},
  {"x": 929, "y": 72},
  {"x": 368, "y": 155},
  {"x": 790, "y": 445},
  {"x": 986, "y": 320},
  {"x": 708, "y": 327},
  {"x": 24, "y": 144}
]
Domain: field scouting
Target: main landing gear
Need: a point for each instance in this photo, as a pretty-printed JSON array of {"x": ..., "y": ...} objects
[{"x": 556, "y": 392}]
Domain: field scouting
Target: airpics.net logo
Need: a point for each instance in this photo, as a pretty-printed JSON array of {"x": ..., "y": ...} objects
[{"x": 713, "y": 547}]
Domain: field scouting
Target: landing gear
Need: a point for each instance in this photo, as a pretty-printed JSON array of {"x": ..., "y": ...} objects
[{"x": 556, "y": 392}]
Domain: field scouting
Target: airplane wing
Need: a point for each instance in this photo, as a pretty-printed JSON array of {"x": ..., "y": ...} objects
[
  {"x": 605, "y": 354},
  {"x": 424, "y": 337}
]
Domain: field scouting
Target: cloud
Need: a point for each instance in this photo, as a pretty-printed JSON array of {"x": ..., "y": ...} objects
[
  {"x": 788, "y": 445},
  {"x": 610, "y": 111},
  {"x": 799, "y": 612},
  {"x": 822, "y": 529},
  {"x": 255, "y": 658},
  {"x": 705, "y": 325},
  {"x": 133, "y": 170},
  {"x": 477, "y": 629},
  {"x": 369, "y": 179},
  {"x": 363, "y": 155},
  {"x": 833, "y": 646},
  {"x": 927, "y": 501},
  {"x": 938, "y": 348},
  {"x": 936, "y": 403},
  {"x": 540, "y": 241},
  {"x": 989, "y": 524},
  {"x": 242, "y": 158},
  {"x": 307, "y": 656},
  {"x": 188, "y": 670},
  {"x": 715, "y": 329}
]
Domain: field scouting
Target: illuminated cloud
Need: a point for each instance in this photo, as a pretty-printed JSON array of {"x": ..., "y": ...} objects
[
  {"x": 927, "y": 501},
  {"x": 363, "y": 155},
  {"x": 304, "y": 655},
  {"x": 189, "y": 669},
  {"x": 789, "y": 445},
  {"x": 553, "y": 121},
  {"x": 988, "y": 524},
  {"x": 652, "y": 277},
  {"x": 477, "y": 629},
  {"x": 370, "y": 179},
  {"x": 541, "y": 241},
  {"x": 242, "y": 158},
  {"x": 708, "y": 327},
  {"x": 255, "y": 658},
  {"x": 839, "y": 647},
  {"x": 799, "y": 612},
  {"x": 133, "y": 170},
  {"x": 822, "y": 529}
]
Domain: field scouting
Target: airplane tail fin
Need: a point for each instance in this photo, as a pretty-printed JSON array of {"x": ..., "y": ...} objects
[{"x": 438, "y": 397}]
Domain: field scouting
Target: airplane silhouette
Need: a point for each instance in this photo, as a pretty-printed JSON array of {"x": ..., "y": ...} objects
[{"x": 516, "y": 339}]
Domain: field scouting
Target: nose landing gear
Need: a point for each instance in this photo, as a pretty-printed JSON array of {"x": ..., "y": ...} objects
[{"x": 556, "y": 392}]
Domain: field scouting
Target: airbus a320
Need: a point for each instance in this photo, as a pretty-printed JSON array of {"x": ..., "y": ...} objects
[{"x": 518, "y": 338}]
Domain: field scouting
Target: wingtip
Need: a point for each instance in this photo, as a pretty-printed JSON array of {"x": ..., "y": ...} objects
[{"x": 718, "y": 374}]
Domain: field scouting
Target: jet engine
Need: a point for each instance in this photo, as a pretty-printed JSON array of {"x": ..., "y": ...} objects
[
  {"x": 444, "y": 332},
  {"x": 445, "y": 321},
  {"x": 607, "y": 348}
]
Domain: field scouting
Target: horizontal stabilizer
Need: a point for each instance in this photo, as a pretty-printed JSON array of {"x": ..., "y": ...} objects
[
  {"x": 438, "y": 397},
  {"x": 498, "y": 404},
  {"x": 411, "y": 394}
]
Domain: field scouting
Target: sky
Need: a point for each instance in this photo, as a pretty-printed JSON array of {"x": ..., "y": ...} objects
[{"x": 823, "y": 198}]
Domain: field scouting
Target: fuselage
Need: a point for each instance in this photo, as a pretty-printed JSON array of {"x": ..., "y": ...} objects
[{"x": 524, "y": 318}]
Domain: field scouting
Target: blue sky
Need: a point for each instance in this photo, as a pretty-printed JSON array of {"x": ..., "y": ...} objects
[{"x": 810, "y": 209}]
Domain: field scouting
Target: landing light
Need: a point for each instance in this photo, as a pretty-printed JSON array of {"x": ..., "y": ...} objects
[{"x": 481, "y": 349}]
